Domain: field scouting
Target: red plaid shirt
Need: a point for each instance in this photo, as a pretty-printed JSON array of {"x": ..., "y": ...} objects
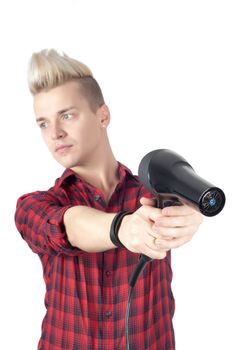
[{"x": 86, "y": 293}]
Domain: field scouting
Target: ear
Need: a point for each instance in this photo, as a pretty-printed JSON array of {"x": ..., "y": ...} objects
[{"x": 104, "y": 115}]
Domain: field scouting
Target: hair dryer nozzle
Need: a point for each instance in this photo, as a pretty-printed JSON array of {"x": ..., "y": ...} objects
[
  {"x": 167, "y": 174},
  {"x": 212, "y": 201}
]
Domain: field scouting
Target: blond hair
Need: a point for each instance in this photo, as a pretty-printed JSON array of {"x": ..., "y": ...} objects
[{"x": 48, "y": 69}]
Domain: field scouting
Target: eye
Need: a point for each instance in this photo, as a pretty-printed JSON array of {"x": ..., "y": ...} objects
[
  {"x": 67, "y": 116},
  {"x": 43, "y": 125}
]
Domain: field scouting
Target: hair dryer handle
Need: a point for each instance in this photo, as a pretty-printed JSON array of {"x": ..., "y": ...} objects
[{"x": 162, "y": 201}]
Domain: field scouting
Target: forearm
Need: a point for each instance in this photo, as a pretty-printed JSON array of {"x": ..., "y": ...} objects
[{"x": 88, "y": 228}]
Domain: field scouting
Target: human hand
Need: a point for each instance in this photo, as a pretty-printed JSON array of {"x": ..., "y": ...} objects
[
  {"x": 153, "y": 232},
  {"x": 176, "y": 226},
  {"x": 137, "y": 232}
]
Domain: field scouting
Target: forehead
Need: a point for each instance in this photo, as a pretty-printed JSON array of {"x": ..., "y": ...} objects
[{"x": 49, "y": 102}]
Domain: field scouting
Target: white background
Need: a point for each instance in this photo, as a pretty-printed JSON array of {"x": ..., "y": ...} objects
[{"x": 165, "y": 68}]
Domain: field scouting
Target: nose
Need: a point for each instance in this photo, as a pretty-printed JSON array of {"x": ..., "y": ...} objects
[{"x": 57, "y": 132}]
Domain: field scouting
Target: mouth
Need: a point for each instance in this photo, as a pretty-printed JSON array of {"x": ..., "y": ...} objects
[{"x": 62, "y": 148}]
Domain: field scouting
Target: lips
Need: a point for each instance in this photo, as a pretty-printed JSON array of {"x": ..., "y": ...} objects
[{"x": 62, "y": 148}]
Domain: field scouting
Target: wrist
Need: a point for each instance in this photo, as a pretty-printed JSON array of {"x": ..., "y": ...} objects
[
  {"x": 115, "y": 228},
  {"x": 123, "y": 228}
]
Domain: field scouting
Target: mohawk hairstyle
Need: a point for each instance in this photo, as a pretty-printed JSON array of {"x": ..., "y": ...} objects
[{"x": 48, "y": 69}]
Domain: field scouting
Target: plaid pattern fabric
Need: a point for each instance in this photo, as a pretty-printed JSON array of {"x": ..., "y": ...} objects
[{"x": 86, "y": 293}]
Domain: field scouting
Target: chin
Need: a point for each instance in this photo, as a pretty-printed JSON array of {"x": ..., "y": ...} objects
[{"x": 67, "y": 163}]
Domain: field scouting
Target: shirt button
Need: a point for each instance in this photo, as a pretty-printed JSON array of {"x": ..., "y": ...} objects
[
  {"x": 108, "y": 314},
  {"x": 97, "y": 197},
  {"x": 107, "y": 273}
]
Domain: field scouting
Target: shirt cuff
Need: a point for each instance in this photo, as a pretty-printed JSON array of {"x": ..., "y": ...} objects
[{"x": 56, "y": 235}]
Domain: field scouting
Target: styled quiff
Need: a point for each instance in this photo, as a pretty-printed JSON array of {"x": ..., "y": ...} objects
[{"x": 48, "y": 69}]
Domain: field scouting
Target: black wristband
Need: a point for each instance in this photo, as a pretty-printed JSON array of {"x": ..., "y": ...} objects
[{"x": 114, "y": 228}]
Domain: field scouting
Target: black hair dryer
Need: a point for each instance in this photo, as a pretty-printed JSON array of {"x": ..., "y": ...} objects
[{"x": 173, "y": 181}]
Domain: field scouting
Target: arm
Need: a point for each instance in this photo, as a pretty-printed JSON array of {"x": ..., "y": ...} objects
[
  {"x": 51, "y": 228},
  {"x": 88, "y": 228},
  {"x": 148, "y": 230}
]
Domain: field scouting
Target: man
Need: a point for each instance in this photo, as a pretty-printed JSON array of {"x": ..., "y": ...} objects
[{"x": 87, "y": 256}]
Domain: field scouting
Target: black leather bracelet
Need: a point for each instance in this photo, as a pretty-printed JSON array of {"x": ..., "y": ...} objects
[{"x": 114, "y": 228}]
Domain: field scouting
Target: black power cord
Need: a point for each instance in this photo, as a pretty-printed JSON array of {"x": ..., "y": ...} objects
[{"x": 143, "y": 260}]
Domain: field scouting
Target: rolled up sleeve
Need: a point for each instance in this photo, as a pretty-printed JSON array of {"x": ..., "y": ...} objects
[{"x": 39, "y": 219}]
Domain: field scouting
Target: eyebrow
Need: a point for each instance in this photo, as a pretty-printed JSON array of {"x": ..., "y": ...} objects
[{"x": 62, "y": 111}]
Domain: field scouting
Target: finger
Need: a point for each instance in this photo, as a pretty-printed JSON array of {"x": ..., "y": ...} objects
[
  {"x": 164, "y": 248},
  {"x": 150, "y": 239},
  {"x": 149, "y": 233},
  {"x": 150, "y": 212},
  {"x": 154, "y": 253},
  {"x": 176, "y": 232},
  {"x": 174, "y": 243},
  {"x": 153, "y": 234},
  {"x": 180, "y": 210},
  {"x": 147, "y": 201},
  {"x": 178, "y": 221}
]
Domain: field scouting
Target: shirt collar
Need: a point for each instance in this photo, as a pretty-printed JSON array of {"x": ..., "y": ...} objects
[{"x": 123, "y": 171}]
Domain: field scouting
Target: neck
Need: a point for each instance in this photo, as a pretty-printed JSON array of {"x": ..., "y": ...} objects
[{"x": 101, "y": 172}]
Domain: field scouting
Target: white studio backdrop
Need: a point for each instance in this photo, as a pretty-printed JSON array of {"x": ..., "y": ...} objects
[{"x": 166, "y": 74}]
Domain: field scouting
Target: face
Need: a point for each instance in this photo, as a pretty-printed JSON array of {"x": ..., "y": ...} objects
[{"x": 73, "y": 133}]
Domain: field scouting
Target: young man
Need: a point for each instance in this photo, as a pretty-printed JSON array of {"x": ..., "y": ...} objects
[{"x": 86, "y": 270}]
